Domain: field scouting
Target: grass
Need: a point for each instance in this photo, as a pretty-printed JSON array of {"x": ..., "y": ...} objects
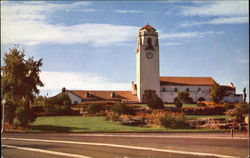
[
  {"x": 207, "y": 116},
  {"x": 94, "y": 124},
  {"x": 184, "y": 105}
]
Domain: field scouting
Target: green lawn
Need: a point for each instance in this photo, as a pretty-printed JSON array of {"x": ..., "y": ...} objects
[
  {"x": 184, "y": 105},
  {"x": 94, "y": 124}
]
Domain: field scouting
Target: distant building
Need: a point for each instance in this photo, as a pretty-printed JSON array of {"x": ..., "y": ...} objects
[{"x": 149, "y": 81}]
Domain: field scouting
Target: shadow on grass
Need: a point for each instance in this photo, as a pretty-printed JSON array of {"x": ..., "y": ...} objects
[{"x": 49, "y": 128}]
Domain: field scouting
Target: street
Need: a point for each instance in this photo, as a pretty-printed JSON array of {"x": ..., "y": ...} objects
[{"x": 124, "y": 145}]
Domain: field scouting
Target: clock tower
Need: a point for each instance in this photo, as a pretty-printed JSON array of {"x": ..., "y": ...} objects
[{"x": 147, "y": 63}]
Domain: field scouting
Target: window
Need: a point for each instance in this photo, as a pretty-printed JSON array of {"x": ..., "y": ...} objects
[
  {"x": 187, "y": 89},
  {"x": 164, "y": 89},
  {"x": 149, "y": 40},
  {"x": 175, "y": 89}
]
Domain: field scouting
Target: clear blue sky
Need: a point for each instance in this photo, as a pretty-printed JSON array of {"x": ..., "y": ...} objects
[{"x": 92, "y": 45}]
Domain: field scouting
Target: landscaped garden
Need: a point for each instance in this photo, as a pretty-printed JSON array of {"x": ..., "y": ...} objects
[
  {"x": 95, "y": 124},
  {"x": 25, "y": 110},
  {"x": 57, "y": 115}
]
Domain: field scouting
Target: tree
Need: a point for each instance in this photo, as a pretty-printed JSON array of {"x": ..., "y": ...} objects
[
  {"x": 178, "y": 103},
  {"x": 155, "y": 102},
  {"x": 217, "y": 93},
  {"x": 183, "y": 96},
  {"x": 244, "y": 94},
  {"x": 19, "y": 85},
  {"x": 241, "y": 109}
]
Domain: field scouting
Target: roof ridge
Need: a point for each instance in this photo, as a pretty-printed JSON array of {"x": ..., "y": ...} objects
[
  {"x": 189, "y": 76},
  {"x": 101, "y": 90}
]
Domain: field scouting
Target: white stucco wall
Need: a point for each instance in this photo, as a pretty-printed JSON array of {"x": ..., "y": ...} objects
[
  {"x": 74, "y": 98},
  {"x": 233, "y": 98},
  {"x": 169, "y": 94}
]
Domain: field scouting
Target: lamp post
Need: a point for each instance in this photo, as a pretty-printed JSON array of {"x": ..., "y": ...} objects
[{"x": 3, "y": 102}]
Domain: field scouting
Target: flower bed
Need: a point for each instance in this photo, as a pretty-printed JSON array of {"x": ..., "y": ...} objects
[{"x": 207, "y": 110}]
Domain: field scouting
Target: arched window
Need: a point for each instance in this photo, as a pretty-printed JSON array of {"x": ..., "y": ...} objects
[
  {"x": 175, "y": 89},
  {"x": 187, "y": 89},
  {"x": 199, "y": 90},
  {"x": 149, "y": 40}
]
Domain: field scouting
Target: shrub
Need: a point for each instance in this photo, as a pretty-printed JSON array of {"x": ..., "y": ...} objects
[
  {"x": 94, "y": 108},
  {"x": 229, "y": 106},
  {"x": 38, "y": 109},
  {"x": 201, "y": 104},
  {"x": 61, "y": 99},
  {"x": 201, "y": 99},
  {"x": 155, "y": 103},
  {"x": 50, "y": 110},
  {"x": 183, "y": 96},
  {"x": 207, "y": 110},
  {"x": 112, "y": 116},
  {"x": 190, "y": 100},
  {"x": 239, "y": 111},
  {"x": 217, "y": 93},
  {"x": 25, "y": 116},
  {"x": 121, "y": 108},
  {"x": 75, "y": 102},
  {"x": 16, "y": 123},
  {"x": 173, "y": 120},
  {"x": 22, "y": 116},
  {"x": 178, "y": 104}
]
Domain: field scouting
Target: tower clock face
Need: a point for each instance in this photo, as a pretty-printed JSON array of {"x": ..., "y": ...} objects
[{"x": 149, "y": 55}]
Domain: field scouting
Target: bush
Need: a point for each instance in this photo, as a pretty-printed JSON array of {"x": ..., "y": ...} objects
[
  {"x": 75, "y": 102},
  {"x": 94, "y": 108},
  {"x": 183, "y": 96},
  {"x": 173, "y": 120},
  {"x": 178, "y": 104},
  {"x": 25, "y": 116},
  {"x": 239, "y": 111},
  {"x": 112, "y": 116},
  {"x": 61, "y": 99},
  {"x": 16, "y": 123},
  {"x": 155, "y": 103},
  {"x": 50, "y": 110},
  {"x": 207, "y": 110},
  {"x": 121, "y": 108},
  {"x": 38, "y": 109},
  {"x": 229, "y": 106},
  {"x": 201, "y": 104}
]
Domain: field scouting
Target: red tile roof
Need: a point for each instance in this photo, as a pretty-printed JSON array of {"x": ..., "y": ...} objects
[
  {"x": 205, "y": 81},
  {"x": 147, "y": 27},
  {"x": 125, "y": 96}
]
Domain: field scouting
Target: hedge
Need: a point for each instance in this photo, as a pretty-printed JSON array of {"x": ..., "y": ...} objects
[{"x": 207, "y": 110}]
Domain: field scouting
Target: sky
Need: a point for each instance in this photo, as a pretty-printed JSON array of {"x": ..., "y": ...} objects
[{"x": 91, "y": 45}]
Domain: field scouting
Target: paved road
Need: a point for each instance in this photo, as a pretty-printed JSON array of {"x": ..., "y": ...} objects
[{"x": 124, "y": 145}]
